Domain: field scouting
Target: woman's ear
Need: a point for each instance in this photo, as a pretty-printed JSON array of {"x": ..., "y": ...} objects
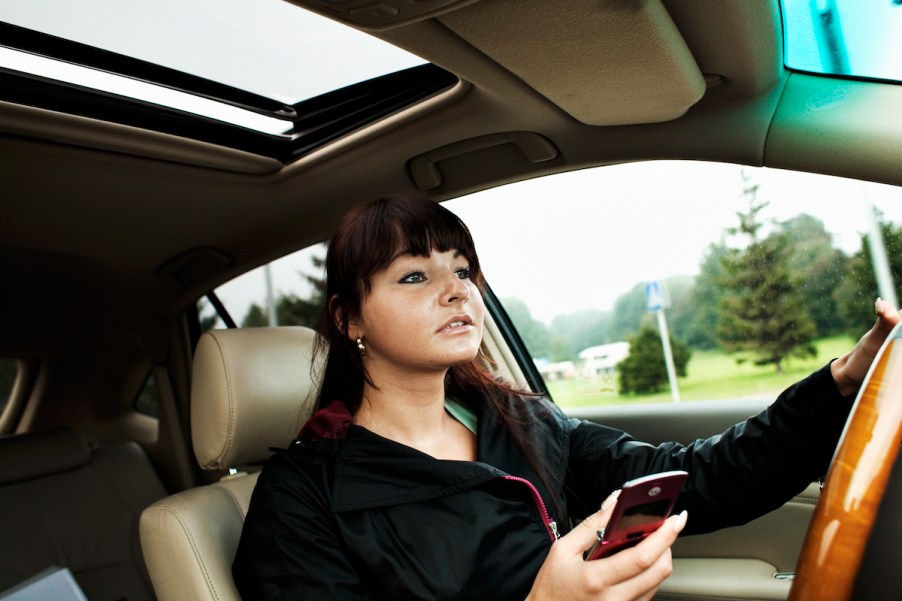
[
  {"x": 336, "y": 313},
  {"x": 349, "y": 328}
]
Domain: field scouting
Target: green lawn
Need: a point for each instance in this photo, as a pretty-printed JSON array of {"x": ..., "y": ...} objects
[{"x": 710, "y": 375}]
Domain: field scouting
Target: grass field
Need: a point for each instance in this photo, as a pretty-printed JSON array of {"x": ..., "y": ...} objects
[{"x": 710, "y": 375}]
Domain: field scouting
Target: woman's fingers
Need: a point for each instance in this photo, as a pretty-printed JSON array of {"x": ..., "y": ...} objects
[
  {"x": 640, "y": 561},
  {"x": 585, "y": 533},
  {"x": 887, "y": 315},
  {"x": 637, "y": 572},
  {"x": 850, "y": 370},
  {"x": 633, "y": 574}
]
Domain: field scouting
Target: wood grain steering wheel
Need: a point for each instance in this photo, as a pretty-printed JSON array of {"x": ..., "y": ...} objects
[{"x": 856, "y": 481}]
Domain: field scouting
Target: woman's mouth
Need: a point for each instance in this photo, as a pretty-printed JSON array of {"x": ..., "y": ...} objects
[{"x": 456, "y": 323}]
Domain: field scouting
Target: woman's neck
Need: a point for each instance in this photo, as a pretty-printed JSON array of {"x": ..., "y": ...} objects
[{"x": 413, "y": 413}]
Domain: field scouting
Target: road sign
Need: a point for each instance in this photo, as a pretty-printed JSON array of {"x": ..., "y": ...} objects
[{"x": 654, "y": 297}]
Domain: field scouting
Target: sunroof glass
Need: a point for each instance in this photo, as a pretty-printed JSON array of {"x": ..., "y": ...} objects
[
  {"x": 268, "y": 47},
  {"x": 844, "y": 37}
]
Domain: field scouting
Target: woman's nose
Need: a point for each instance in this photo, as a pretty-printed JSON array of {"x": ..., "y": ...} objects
[{"x": 456, "y": 289}]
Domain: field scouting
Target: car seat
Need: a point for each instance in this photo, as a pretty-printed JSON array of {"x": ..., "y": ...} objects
[
  {"x": 251, "y": 390},
  {"x": 68, "y": 503}
]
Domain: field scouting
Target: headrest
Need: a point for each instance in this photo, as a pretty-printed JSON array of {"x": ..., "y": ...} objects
[
  {"x": 39, "y": 454},
  {"x": 252, "y": 389}
]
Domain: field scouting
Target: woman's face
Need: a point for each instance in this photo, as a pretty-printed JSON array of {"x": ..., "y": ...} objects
[{"x": 422, "y": 314}]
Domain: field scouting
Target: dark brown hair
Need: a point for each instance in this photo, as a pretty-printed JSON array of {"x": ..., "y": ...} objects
[{"x": 365, "y": 242}]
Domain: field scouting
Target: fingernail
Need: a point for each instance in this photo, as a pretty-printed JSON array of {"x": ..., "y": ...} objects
[
  {"x": 680, "y": 522},
  {"x": 609, "y": 502},
  {"x": 877, "y": 305}
]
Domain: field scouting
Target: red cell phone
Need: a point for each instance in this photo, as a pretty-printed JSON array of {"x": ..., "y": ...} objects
[{"x": 643, "y": 505}]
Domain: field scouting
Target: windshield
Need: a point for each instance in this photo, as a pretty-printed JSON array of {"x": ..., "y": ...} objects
[{"x": 844, "y": 37}]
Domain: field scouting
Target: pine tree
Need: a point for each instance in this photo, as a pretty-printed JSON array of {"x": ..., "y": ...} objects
[
  {"x": 644, "y": 370},
  {"x": 762, "y": 310}
]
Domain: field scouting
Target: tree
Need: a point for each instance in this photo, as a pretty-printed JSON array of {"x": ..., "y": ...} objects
[
  {"x": 206, "y": 314},
  {"x": 629, "y": 313},
  {"x": 819, "y": 267},
  {"x": 855, "y": 295},
  {"x": 537, "y": 338},
  {"x": 704, "y": 299},
  {"x": 644, "y": 370},
  {"x": 681, "y": 315},
  {"x": 255, "y": 317},
  {"x": 292, "y": 310},
  {"x": 580, "y": 330},
  {"x": 762, "y": 309},
  {"x": 533, "y": 332}
]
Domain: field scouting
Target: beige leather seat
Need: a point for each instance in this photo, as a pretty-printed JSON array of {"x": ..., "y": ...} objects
[{"x": 252, "y": 389}]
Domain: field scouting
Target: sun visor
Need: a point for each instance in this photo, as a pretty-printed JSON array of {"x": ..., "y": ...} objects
[{"x": 608, "y": 62}]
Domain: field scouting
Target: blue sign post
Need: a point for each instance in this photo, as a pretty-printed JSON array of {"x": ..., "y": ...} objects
[
  {"x": 654, "y": 298},
  {"x": 655, "y": 301}
]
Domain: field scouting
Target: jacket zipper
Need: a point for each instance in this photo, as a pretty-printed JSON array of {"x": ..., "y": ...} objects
[{"x": 550, "y": 525}]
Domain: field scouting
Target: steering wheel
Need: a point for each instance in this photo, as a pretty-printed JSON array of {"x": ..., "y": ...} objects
[{"x": 856, "y": 481}]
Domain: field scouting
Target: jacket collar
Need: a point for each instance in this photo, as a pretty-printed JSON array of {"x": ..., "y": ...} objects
[
  {"x": 331, "y": 422},
  {"x": 373, "y": 471}
]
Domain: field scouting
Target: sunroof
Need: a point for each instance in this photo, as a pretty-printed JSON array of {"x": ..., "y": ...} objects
[
  {"x": 844, "y": 37},
  {"x": 264, "y": 76},
  {"x": 268, "y": 47}
]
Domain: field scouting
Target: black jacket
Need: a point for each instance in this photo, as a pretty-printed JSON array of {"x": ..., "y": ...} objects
[{"x": 346, "y": 514}]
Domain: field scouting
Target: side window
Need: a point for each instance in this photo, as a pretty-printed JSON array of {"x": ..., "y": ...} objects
[
  {"x": 667, "y": 281},
  {"x": 9, "y": 369},
  {"x": 289, "y": 291},
  {"x": 148, "y": 401}
]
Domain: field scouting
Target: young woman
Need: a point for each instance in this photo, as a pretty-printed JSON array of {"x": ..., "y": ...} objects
[{"x": 422, "y": 477}]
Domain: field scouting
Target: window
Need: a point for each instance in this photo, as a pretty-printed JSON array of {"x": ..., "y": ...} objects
[
  {"x": 148, "y": 400},
  {"x": 289, "y": 291},
  {"x": 844, "y": 37},
  {"x": 198, "y": 70},
  {"x": 591, "y": 264},
  {"x": 623, "y": 250},
  {"x": 321, "y": 52}
]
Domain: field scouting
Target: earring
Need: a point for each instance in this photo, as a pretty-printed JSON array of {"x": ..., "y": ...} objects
[{"x": 361, "y": 348}]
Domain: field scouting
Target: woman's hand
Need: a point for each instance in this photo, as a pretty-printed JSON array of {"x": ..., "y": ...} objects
[
  {"x": 850, "y": 369},
  {"x": 633, "y": 574}
]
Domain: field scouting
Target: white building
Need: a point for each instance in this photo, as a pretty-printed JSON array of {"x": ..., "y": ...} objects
[
  {"x": 562, "y": 370},
  {"x": 603, "y": 359}
]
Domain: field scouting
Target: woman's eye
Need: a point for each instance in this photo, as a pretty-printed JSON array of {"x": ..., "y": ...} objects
[
  {"x": 413, "y": 278},
  {"x": 463, "y": 273}
]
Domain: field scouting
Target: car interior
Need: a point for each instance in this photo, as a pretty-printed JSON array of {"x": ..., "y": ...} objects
[{"x": 135, "y": 409}]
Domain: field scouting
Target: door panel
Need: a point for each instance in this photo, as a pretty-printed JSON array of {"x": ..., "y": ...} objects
[{"x": 734, "y": 563}]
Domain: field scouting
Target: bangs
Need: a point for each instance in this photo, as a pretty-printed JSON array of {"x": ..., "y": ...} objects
[
  {"x": 419, "y": 235},
  {"x": 391, "y": 227}
]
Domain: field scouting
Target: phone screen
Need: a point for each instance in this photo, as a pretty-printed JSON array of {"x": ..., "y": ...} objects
[{"x": 644, "y": 514}]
